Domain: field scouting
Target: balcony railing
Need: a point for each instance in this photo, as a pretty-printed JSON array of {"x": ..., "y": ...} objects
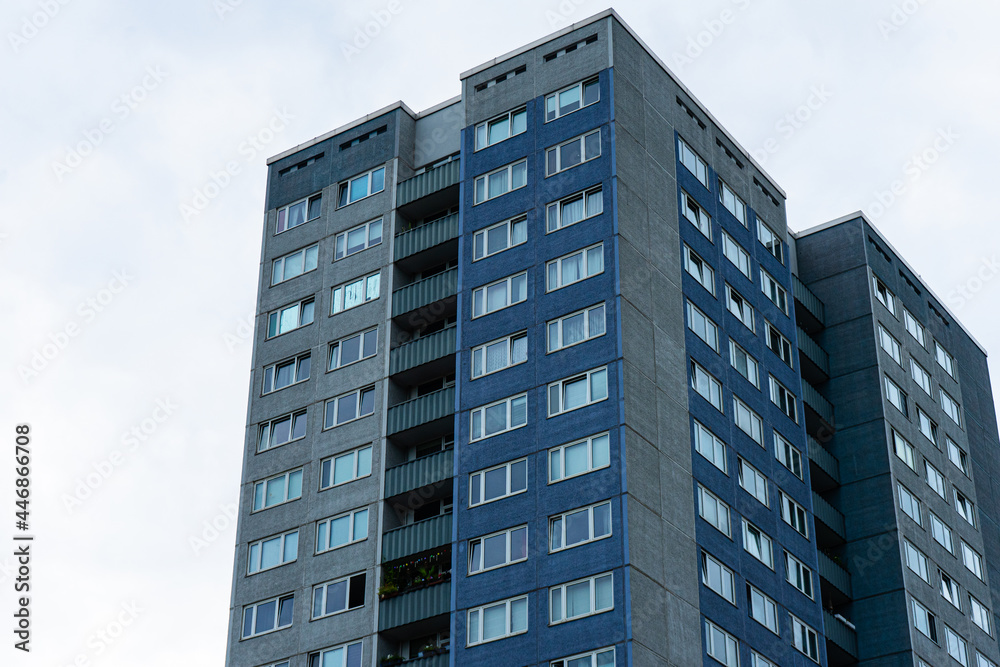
[
  {"x": 420, "y": 410},
  {"x": 812, "y": 349},
  {"x": 414, "y": 606},
  {"x": 420, "y": 536},
  {"x": 841, "y": 634},
  {"x": 825, "y": 460},
  {"x": 439, "y": 660},
  {"x": 838, "y": 577},
  {"x": 425, "y": 292},
  {"x": 426, "y": 236},
  {"x": 428, "y": 182},
  {"x": 829, "y": 515},
  {"x": 808, "y": 300},
  {"x": 820, "y": 405},
  {"x": 421, "y": 472},
  {"x": 423, "y": 350}
]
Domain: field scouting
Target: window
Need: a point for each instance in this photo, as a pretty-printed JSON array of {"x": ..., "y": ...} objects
[
  {"x": 341, "y": 530},
  {"x": 574, "y": 267},
  {"x": 798, "y": 575},
  {"x": 699, "y": 270},
  {"x": 573, "y": 152},
  {"x": 884, "y": 296},
  {"x": 972, "y": 560},
  {"x": 498, "y": 620},
  {"x": 499, "y": 549},
  {"x": 753, "y": 482},
  {"x": 718, "y": 577},
  {"x": 286, "y": 373},
  {"x": 299, "y": 213},
  {"x": 793, "y": 514},
  {"x": 570, "y": 99},
  {"x": 757, "y": 660},
  {"x": 758, "y": 544},
  {"x": 359, "y": 238},
  {"x": 945, "y": 360},
  {"x": 578, "y": 391},
  {"x": 924, "y": 621},
  {"x": 709, "y": 446},
  {"x": 344, "y": 468},
  {"x": 354, "y": 348},
  {"x": 744, "y": 364},
  {"x": 735, "y": 253},
  {"x": 707, "y": 386},
  {"x": 294, "y": 264},
  {"x": 501, "y": 181},
  {"x": 571, "y": 210},
  {"x": 920, "y": 376},
  {"x": 788, "y": 455},
  {"x": 903, "y": 449},
  {"x": 784, "y": 399},
  {"x": 913, "y": 327},
  {"x": 574, "y": 328},
  {"x": 696, "y": 215},
  {"x": 762, "y": 609},
  {"x": 267, "y": 616},
  {"x": 721, "y": 645},
  {"x": 502, "y": 127},
  {"x": 748, "y": 421},
  {"x": 951, "y": 407},
  {"x": 290, "y": 317},
  {"x": 602, "y": 658},
  {"x": 355, "y": 293},
  {"x": 916, "y": 560},
  {"x": 739, "y": 307},
  {"x": 691, "y": 160},
  {"x": 732, "y": 202},
  {"x": 896, "y": 396},
  {"x": 957, "y": 647},
  {"x": 770, "y": 240},
  {"x": 980, "y": 615},
  {"x": 580, "y": 526},
  {"x": 702, "y": 326},
  {"x": 958, "y": 457},
  {"x": 347, "y": 408},
  {"x": 579, "y": 457},
  {"x": 499, "y": 354},
  {"x": 361, "y": 186},
  {"x": 773, "y": 291},
  {"x": 334, "y": 597},
  {"x": 779, "y": 344},
  {"x": 714, "y": 511},
  {"x": 909, "y": 504},
  {"x": 277, "y": 490},
  {"x": 499, "y": 417},
  {"x": 348, "y": 655},
  {"x": 584, "y": 597},
  {"x": 889, "y": 344},
  {"x": 500, "y": 237},
  {"x": 498, "y": 482},
  {"x": 282, "y": 430},
  {"x": 965, "y": 508},
  {"x": 805, "y": 639},
  {"x": 950, "y": 591},
  {"x": 935, "y": 480},
  {"x": 941, "y": 533},
  {"x": 497, "y": 296},
  {"x": 272, "y": 552},
  {"x": 927, "y": 427},
  {"x": 981, "y": 661}
]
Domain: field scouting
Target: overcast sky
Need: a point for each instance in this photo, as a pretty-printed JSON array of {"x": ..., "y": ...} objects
[{"x": 127, "y": 347}]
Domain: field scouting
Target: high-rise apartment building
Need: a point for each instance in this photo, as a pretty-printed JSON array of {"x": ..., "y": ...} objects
[{"x": 541, "y": 377}]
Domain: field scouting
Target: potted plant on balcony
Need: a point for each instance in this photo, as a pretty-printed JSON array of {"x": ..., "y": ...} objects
[
  {"x": 429, "y": 650},
  {"x": 388, "y": 589},
  {"x": 389, "y": 660}
]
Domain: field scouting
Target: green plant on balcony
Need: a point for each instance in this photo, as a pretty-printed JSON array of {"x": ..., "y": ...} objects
[
  {"x": 389, "y": 587},
  {"x": 391, "y": 659},
  {"x": 430, "y": 650}
]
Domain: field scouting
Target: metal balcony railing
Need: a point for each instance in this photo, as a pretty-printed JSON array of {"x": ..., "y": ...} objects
[
  {"x": 425, "y": 292},
  {"x": 815, "y": 400},
  {"x": 814, "y": 351},
  {"x": 829, "y": 515},
  {"x": 423, "y": 350},
  {"x": 426, "y": 236},
  {"x": 415, "y": 606},
  {"x": 420, "y": 472},
  {"x": 416, "y": 537},
  {"x": 428, "y": 183},
  {"x": 838, "y": 577},
  {"x": 841, "y": 634},
  {"x": 824, "y": 459},
  {"x": 420, "y": 410},
  {"x": 808, "y": 300}
]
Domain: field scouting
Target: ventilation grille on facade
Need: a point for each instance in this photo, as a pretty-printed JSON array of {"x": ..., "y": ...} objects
[
  {"x": 364, "y": 137},
  {"x": 500, "y": 79},
  {"x": 301, "y": 165},
  {"x": 569, "y": 49}
]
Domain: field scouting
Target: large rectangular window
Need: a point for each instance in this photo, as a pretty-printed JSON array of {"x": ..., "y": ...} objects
[
  {"x": 920, "y": 376},
  {"x": 299, "y": 213},
  {"x": 748, "y": 421},
  {"x": 286, "y": 373},
  {"x": 357, "y": 292},
  {"x": 788, "y": 455},
  {"x": 779, "y": 344},
  {"x": 944, "y": 359},
  {"x": 784, "y": 399},
  {"x": 500, "y": 294},
  {"x": 770, "y": 240},
  {"x": 276, "y": 490},
  {"x": 574, "y": 267},
  {"x": 499, "y": 237},
  {"x": 498, "y": 549},
  {"x": 927, "y": 426},
  {"x": 499, "y": 354},
  {"x": 579, "y": 526},
  {"x": 358, "y": 238},
  {"x": 714, "y": 511},
  {"x": 294, "y": 264},
  {"x": 951, "y": 408},
  {"x": 710, "y": 446},
  {"x": 732, "y": 202},
  {"x": 347, "y": 408},
  {"x": 506, "y": 479},
  {"x": 703, "y": 326},
  {"x": 290, "y": 317},
  {"x": 957, "y": 456},
  {"x": 935, "y": 480},
  {"x": 965, "y": 508},
  {"x": 957, "y": 647},
  {"x": 353, "y": 348},
  {"x": 758, "y": 544},
  {"x": 272, "y": 552},
  {"x": 717, "y": 577},
  {"x": 499, "y": 417},
  {"x": 578, "y": 391},
  {"x": 798, "y": 575},
  {"x": 361, "y": 186},
  {"x": 753, "y": 482},
  {"x": 579, "y": 457},
  {"x": 913, "y": 327},
  {"x": 915, "y": 560},
  {"x": 584, "y": 597},
  {"x": 497, "y": 621},
  {"x": 980, "y": 615},
  {"x": 793, "y": 514},
  {"x": 699, "y": 270},
  {"x": 889, "y": 344},
  {"x": 972, "y": 560},
  {"x": 896, "y": 396},
  {"x": 884, "y": 296},
  {"x": 904, "y": 450},
  {"x": 941, "y": 533},
  {"x": 339, "y": 595},
  {"x": 924, "y": 621},
  {"x": 573, "y": 152},
  {"x": 909, "y": 504},
  {"x": 696, "y": 215},
  {"x": 341, "y": 530},
  {"x": 574, "y": 328},
  {"x": 706, "y": 385},
  {"x": 267, "y": 616},
  {"x": 501, "y": 181},
  {"x": 692, "y": 162},
  {"x": 344, "y": 468},
  {"x": 282, "y": 430},
  {"x": 774, "y": 291},
  {"x": 574, "y": 208},
  {"x": 805, "y": 639},
  {"x": 739, "y": 307},
  {"x": 744, "y": 364},
  {"x": 721, "y": 645},
  {"x": 348, "y": 655},
  {"x": 735, "y": 253},
  {"x": 502, "y": 127},
  {"x": 571, "y": 99},
  {"x": 762, "y": 609}
]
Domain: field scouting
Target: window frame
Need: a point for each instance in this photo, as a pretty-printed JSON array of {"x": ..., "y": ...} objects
[
  {"x": 329, "y": 463},
  {"x": 344, "y": 187},
  {"x": 484, "y": 234},
  {"x": 734, "y": 351},
  {"x": 789, "y": 456},
  {"x": 509, "y": 630},
  {"x": 944, "y": 359},
  {"x": 557, "y": 206},
  {"x": 793, "y": 513},
  {"x": 325, "y": 587},
  {"x": 741, "y": 261},
  {"x": 279, "y": 602},
  {"x": 911, "y": 501},
  {"x": 890, "y": 388},
  {"x": 590, "y": 443},
  {"x": 559, "y": 324},
  {"x": 724, "y": 575},
  {"x": 713, "y": 386},
  {"x": 939, "y": 527},
  {"x": 909, "y": 453},
  {"x": 485, "y": 127},
  {"x": 315, "y": 658},
  {"x": 916, "y": 370},
  {"x": 950, "y": 405},
  {"x": 508, "y": 534},
  {"x": 510, "y": 340},
  {"x": 759, "y": 604},
  {"x": 585, "y": 262},
  {"x": 308, "y": 201},
  {"x": 593, "y": 581},
  {"x": 508, "y": 467},
  {"x": 700, "y": 172},
  {"x": 583, "y": 85},
  {"x": 296, "y": 362},
  {"x": 805, "y": 634},
  {"x": 766, "y": 545},
  {"x": 585, "y": 376},
  {"x": 774, "y": 291},
  {"x": 593, "y": 655},
  {"x": 912, "y": 324},
  {"x": 359, "y": 406},
  {"x": 699, "y": 269},
  {"x": 483, "y": 292},
  {"x": 739, "y": 207},
  {"x": 919, "y": 566},
  {"x": 367, "y": 226},
  {"x": 794, "y": 568},
  {"x": 756, "y": 424},
  {"x": 718, "y": 446},
  {"x": 772, "y": 334},
  {"x": 970, "y": 554},
  {"x": 339, "y": 346},
  {"x": 884, "y": 296},
  {"x": 591, "y": 526},
  {"x": 691, "y": 208},
  {"x": 305, "y": 263},
  {"x": 709, "y": 323},
  {"x": 302, "y": 306},
  {"x": 734, "y": 300},
  {"x": 325, "y": 526},
  {"x": 783, "y": 399},
  {"x": 484, "y": 181},
  {"x": 338, "y": 301},
  {"x": 753, "y": 482},
  {"x": 775, "y": 239},
  {"x": 268, "y": 428},
  {"x": 580, "y": 139},
  {"x": 718, "y": 502},
  {"x": 282, "y": 548},
  {"x": 263, "y": 484},
  {"x": 480, "y": 411},
  {"x": 889, "y": 344}
]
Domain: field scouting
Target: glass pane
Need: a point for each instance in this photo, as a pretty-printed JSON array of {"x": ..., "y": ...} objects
[
  {"x": 480, "y": 189},
  {"x": 552, "y": 276},
  {"x": 593, "y": 145},
  {"x": 336, "y": 597},
  {"x": 555, "y": 534},
  {"x": 474, "y": 488},
  {"x": 574, "y": 394},
  {"x": 305, "y": 364},
  {"x": 518, "y": 476},
  {"x": 552, "y": 217},
  {"x": 371, "y": 342},
  {"x": 307, "y": 313},
  {"x": 519, "y": 232},
  {"x": 550, "y": 107},
  {"x": 519, "y": 411},
  {"x": 365, "y": 462},
  {"x": 555, "y": 605},
  {"x": 602, "y": 520},
  {"x": 577, "y": 527},
  {"x": 354, "y": 294},
  {"x": 573, "y": 329},
  {"x": 596, "y": 317},
  {"x": 341, "y": 240},
  {"x": 343, "y": 469},
  {"x": 481, "y": 136},
  {"x": 495, "y": 482},
  {"x": 603, "y": 594},
  {"x": 602, "y": 451},
  {"x": 496, "y": 356},
  {"x": 519, "y": 615},
  {"x": 477, "y": 424},
  {"x": 519, "y": 288},
  {"x": 569, "y": 154},
  {"x": 347, "y": 408},
  {"x": 477, "y": 362},
  {"x": 555, "y": 465},
  {"x": 294, "y": 264},
  {"x": 367, "y": 402},
  {"x": 595, "y": 203},
  {"x": 254, "y": 558},
  {"x": 356, "y": 240},
  {"x": 265, "y": 617},
  {"x": 340, "y": 531},
  {"x": 275, "y": 491},
  {"x": 519, "y": 175},
  {"x": 475, "y": 556},
  {"x": 378, "y": 180},
  {"x": 496, "y": 296},
  {"x": 599, "y": 386},
  {"x": 361, "y": 525},
  {"x": 591, "y": 92},
  {"x": 519, "y": 544},
  {"x": 499, "y": 130},
  {"x": 281, "y": 431},
  {"x": 496, "y": 239},
  {"x": 282, "y": 226},
  {"x": 495, "y": 551},
  {"x": 291, "y": 547},
  {"x": 312, "y": 258},
  {"x": 474, "y": 627},
  {"x": 572, "y": 211},
  {"x": 551, "y": 161},
  {"x": 314, "y": 206},
  {"x": 572, "y": 269},
  {"x": 577, "y": 459},
  {"x": 321, "y": 537},
  {"x": 595, "y": 261},
  {"x": 289, "y": 319},
  {"x": 480, "y": 245},
  {"x": 375, "y": 232},
  {"x": 295, "y": 485},
  {"x": 498, "y": 183},
  {"x": 359, "y": 188},
  {"x": 354, "y": 656},
  {"x": 519, "y": 350},
  {"x": 496, "y": 418},
  {"x": 578, "y": 599},
  {"x": 300, "y": 426},
  {"x": 494, "y": 622},
  {"x": 297, "y": 214},
  {"x": 569, "y": 100},
  {"x": 270, "y": 553},
  {"x": 285, "y": 373},
  {"x": 520, "y": 122},
  {"x": 342, "y": 199},
  {"x": 350, "y": 350}
]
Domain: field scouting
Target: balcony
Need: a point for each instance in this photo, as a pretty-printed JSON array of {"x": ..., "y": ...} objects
[
  {"x": 841, "y": 640},
  {"x": 829, "y": 522},
  {"x": 809, "y": 310},
  {"x": 439, "y": 660},
  {"x": 441, "y": 287},
  {"x": 819, "y": 411},
  {"x": 426, "y": 471},
  {"x": 433, "y": 181},
  {"x": 828, "y": 476},
  {"x": 422, "y": 414},
  {"x": 437, "y": 347},
  {"x": 416, "y": 537},
  {"x": 415, "y": 606},
  {"x": 425, "y": 237},
  {"x": 835, "y": 575},
  {"x": 814, "y": 359}
]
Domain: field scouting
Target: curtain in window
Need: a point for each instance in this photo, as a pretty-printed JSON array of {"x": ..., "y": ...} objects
[
  {"x": 496, "y": 297},
  {"x": 574, "y": 394},
  {"x": 496, "y": 419},
  {"x": 297, "y": 214},
  {"x": 498, "y": 183},
  {"x": 494, "y": 621},
  {"x": 578, "y": 599},
  {"x": 572, "y": 269},
  {"x": 572, "y": 211},
  {"x": 496, "y": 356},
  {"x": 519, "y": 350},
  {"x": 354, "y": 294}
]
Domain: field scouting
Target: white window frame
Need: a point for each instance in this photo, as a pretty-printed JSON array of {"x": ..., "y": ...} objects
[
  {"x": 950, "y": 590},
  {"x": 778, "y": 339},
  {"x": 916, "y": 561},
  {"x": 509, "y": 535},
  {"x": 513, "y": 237},
  {"x": 483, "y": 129},
  {"x": 710, "y": 446},
  {"x": 479, "y": 368},
  {"x": 478, "y": 478},
  {"x": 903, "y": 450},
  {"x": 910, "y": 504},
  {"x": 557, "y": 598},
  {"x": 289, "y": 478},
  {"x": 884, "y": 296},
  {"x": 770, "y": 240},
  {"x": 335, "y": 349},
  {"x": 480, "y": 414},
  {"x": 699, "y": 269},
  {"x": 927, "y": 427},
  {"x": 265, "y": 432},
  {"x": 718, "y": 578},
  {"x": 951, "y": 407},
  {"x": 513, "y": 284},
  {"x": 957, "y": 647},
  {"x": 920, "y": 376},
  {"x": 944, "y": 359},
  {"x": 371, "y": 290},
  {"x": 935, "y": 480},
  {"x": 591, "y": 264},
  {"x": 305, "y": 313},
  {"x": 763, "y": 548},
  {"x": 357, "y": 519},
  {"x": 981, "y": 661},
  {"x": 753, "y": 482},
  {"x": 696, "y": 215},
  {"x": 799, "y": 576},
  {"x": 958, "y": 456},
  {"x": 340, "y": 243},
  {"x": 913, "y": 327},
  {"x": 597, "y": 447},
  {"x": 794, "y": 514},
  {"x": 692, "y": 161},
  {"x": 737, "y": 353},
  {"x": 307, "y": 203},
  {"x": 896, "y": 396},
  {"x": 762, "y": 608},
  {"x": 773, "y": 290},
  {"x": 715, "y": 511},
  {"x": 703, "y": 326},
  {"x": 359, "y": 405},
  {"x": 509, "y": 630},
  {"x": 748, "y": 421},
  {"x": 757, "y": 660},
  {"x": 325, "y": 589},
  {"x": 581, "y": 141},
  {"x": 728, "y": 653},
  {"x": 965, "y": 508},
  {"x": 973, "y": 561},
  {"x": 481, "y": 184},
  {"x": 924, "y": 621},
  {"x": 735, "y": 253},
  {"x": 739, "y": 307},
  {"x": 557, "y": 400},
  {"x": 784, "y": 399},
  {"x": 360, "y": 464},
  {"x": 732, "y": 202},
  {"x": 788, "y": 455},
  {"x": 287, "y": 542},
  {"x": 594, "y": 656},
  {"x": 270, "y": 373},
  {"x": 310, "y": 262},
  {"x": 980, "y": 615},
  {"x": 279, "y": 602},
  {"x": 556, "y": 112},
  {"x": 706, "y": 385},
  {"x": 561, "y": 520},
  {"x": 554, "y": 328},
  {"x": 317, "y": 658},
  {"x": 554, "y": 210},
  {"x": 941, "y": 532},
  {"x": 805, "y": 639},
  {"x": 345, "y": 187},
  {"x": 889, "y": 343}
]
